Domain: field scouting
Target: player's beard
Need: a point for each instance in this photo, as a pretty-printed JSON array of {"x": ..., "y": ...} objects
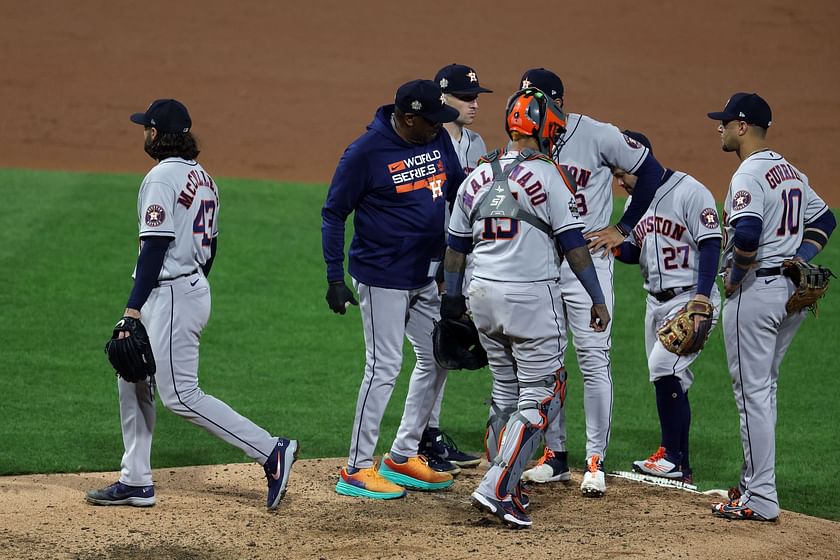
[{"x": 147, "y": 147}]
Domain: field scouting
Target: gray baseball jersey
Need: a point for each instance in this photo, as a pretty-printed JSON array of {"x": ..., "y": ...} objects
[
  {"x": 757, "y": 328},
  {"x": 469, "y": 149},
  {"x": 588, "y": 150},
  {"x": 539, "y": 190},
  {"x": 681, "y": 215}
]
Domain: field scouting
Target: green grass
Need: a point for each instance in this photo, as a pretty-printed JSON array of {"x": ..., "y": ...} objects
[{"x": 277, "y": 354}]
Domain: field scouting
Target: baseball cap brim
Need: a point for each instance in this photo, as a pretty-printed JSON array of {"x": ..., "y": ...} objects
[
  {"x": 442, "y": 114},
  {"x": 723, "y": 116},
  {"x": 470, "y": 91},
  {"x": 141, "y": 118}
]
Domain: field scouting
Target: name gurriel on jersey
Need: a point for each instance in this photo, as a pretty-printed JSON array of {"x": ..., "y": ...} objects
[
  {"x": 660, "y": 225},
  {"x": 195, "y": 180},
  {"x": 781, "y": 173}
]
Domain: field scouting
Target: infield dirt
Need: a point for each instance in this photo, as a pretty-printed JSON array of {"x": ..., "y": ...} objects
[{"x": 277, "y": 90}]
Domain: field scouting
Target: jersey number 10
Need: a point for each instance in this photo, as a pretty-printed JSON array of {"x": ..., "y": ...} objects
[
  {"x": 792, "y": 201},
  {"x": 203, "y": 223}
]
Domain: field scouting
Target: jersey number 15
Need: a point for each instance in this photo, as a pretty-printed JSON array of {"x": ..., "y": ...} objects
[{"x": 203, "y": 223}]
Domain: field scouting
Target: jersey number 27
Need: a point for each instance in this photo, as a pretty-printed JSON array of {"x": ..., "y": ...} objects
[{"x": 203, "y": 223}]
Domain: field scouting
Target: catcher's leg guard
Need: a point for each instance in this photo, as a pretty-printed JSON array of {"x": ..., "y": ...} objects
[
  {"x": 496, "y": 429},
  {"x": 505, "y": 395},
  {"x": 538, "y": 405}
]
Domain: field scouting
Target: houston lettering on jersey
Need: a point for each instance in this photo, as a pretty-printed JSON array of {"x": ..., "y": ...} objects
[
  {"x": 195, "y": 180},
  {"x": 659, "y": 225},
  {"x": 580, "y": 174},
  {"x": 781, "y": 173},
  {"x": 423, "y": 171}
]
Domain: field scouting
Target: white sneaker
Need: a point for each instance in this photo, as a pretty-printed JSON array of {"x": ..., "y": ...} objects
[
  {"x": 552, "y": 467},
  {"x": 594, "y": 483},
  {"x": 659, "y": 464}
]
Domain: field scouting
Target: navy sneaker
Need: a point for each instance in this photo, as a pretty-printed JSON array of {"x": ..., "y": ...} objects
[
  {"x": 442, "y": 465},
  {"x": 504, "y": 510},
  {"x": 277, "y": 470},
  {"x": 119, "y": 494},
  {"x": 438, "y": 444}
]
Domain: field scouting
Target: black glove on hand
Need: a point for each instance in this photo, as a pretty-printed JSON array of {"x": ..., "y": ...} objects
[
  {"x": 452, "y": 307},
  {"x": 339, "y": 297}
]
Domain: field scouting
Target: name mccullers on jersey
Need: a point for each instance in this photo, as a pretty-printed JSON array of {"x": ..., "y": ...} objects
[{"x": 195, "y": 180}]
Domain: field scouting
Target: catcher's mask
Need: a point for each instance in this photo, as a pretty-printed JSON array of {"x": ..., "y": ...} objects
[{"x": 533, "y": 113}]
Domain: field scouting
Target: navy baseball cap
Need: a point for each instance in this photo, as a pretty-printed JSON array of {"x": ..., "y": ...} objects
[
  {"x": 458, "y": 79},
  {"x": 543, "y": 79},
  {"x": 166, "y": 115},
  {"x": 747, "y": 107},
  {"x": 638, "y": 137},
  {"x": 424, "y": 98}
]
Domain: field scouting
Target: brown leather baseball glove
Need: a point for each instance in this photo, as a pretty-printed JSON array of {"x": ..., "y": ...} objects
[
  {"x": 680, "y": 336},
  {"x": 811, "y": 283}
]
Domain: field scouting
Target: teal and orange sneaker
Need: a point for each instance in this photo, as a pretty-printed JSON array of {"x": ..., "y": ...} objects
[
  {"x": 367, "y": 483},
  {"x": 415, "y": 473}
]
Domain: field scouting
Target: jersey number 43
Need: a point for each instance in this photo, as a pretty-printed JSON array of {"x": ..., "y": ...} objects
[{"x": 203, "y": 223}]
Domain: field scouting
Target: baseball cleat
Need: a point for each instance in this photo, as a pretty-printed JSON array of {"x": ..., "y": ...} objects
[
  {"x": 733, "y": 509},
  {"x": 119, "y": 494},
  {"x": 436, "y": 443},
  {"x": 659, "y": 464},
  {"x": 552, "y": 467},
  {"x": 594, "y": 484},
  {"x": 415, "y": 474},
  {"x": 509, "y": 514},
  {"x": 367, "y": 483},
  {"x": 277, "y": 469}
]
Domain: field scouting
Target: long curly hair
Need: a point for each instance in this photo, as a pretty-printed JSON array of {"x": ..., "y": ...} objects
[{"x": 173, "y": 144}]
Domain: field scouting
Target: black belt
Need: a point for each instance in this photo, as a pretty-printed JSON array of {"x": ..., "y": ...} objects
[
  {"x": 762, "y": 272},
  {"x": 670, "y": 293},
  {"x": 176, "y": 277}
]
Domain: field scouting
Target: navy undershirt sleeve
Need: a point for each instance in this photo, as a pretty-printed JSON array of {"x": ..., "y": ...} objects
[
  {"x": 149, "y": 263},
  {"x": 569, "y": 239},
  {"x": 747, "y": 232},
  {"x": 649, "y": 178},
  {"x": 628, "y": 253},
  {"x": 461, "y": 244},
  {"x": 709, "y": 257},
  {"x": 209, "y": 264},
  {"x": 572, "y": 239}
]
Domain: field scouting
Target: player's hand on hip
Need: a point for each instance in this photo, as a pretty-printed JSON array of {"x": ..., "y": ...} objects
[
  {"x": 604, "y": 240},
  {"x": 339, "y": 297},
  {"x": 600, "y": 317}
]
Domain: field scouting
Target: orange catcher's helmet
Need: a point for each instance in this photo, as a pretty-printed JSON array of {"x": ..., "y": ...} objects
[{"x": 533, "y": 113}]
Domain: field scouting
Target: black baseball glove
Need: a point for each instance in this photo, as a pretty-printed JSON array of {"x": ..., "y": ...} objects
[
  {"x": 131, "y": 356},
  {"x": 811, "y": 283},
  {"x": 456, "y": 345}
]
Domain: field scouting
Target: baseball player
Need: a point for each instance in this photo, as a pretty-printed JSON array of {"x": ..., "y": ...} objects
[
  {"x": 514, "y": 212},
  {"x": 461, "y": 88},
  {"x": 588, "y": 150},
  {"x": 178, "y": 212},
  {"x": 677, "y": 246},
  {"x": 771, "y": 214},
  {"x": 396, "y": 178}
]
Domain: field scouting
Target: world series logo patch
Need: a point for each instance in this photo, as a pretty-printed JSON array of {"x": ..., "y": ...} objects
[
  {"x": 741, "y": 200},
  {"x": 632, "y": 143},
  {"x": 709, "y": 218},
  {"x": 155, "y": 215}
]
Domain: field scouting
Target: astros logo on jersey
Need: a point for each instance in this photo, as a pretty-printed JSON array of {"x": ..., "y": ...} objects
[
  {"x": 155, "y": 215},
  {"x": 710, "y": 218},
  {"x": 741, "y": 200}
]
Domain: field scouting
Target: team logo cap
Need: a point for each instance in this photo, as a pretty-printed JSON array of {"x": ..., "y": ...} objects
[
  {"x": 543, "y": 79},
  {"x": 458, "y": 79},
  {"x": 747, "y": 107},
  {"x": 166, "y": 115},
  {"x": 424, "y": 98}
]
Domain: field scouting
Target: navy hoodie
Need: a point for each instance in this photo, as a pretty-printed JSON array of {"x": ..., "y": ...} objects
[{"x": 399, "y": 192}]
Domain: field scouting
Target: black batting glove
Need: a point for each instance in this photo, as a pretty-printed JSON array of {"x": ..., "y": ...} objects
[
  {"x": 339, "y": 297},
  {"x": 452, "y": 307}
]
